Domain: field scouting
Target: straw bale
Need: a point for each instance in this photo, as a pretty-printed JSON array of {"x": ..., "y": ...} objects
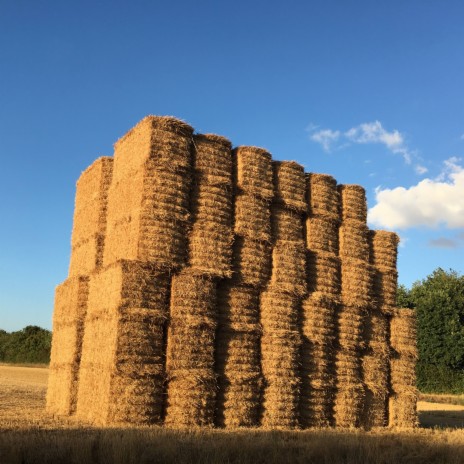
[
  {"x": 317, "y": 408},
  {"x": 348, "y": 405},
  {"x": 237, "y": 351},
  {"x": 403, "y": 332},
  {"x": 322, "y": 234},
  {"x": 403, "y": 410},
  {"x": 290, "y": 185},
  {"x": 212, "y": 159},
  {"x": 384, "y": 248},
  {"x": 385, "y": 282},
  {"x": 353, "y": 202},
  {"x": 212, "y": 203},
  {"x": 289, "y": 267},
  {"x": 238, "y": 306},
  {"x": 210, "y": 249},
  {"x": 165, "y": 140},
  {"x": 239, "y": 400},
  {"x": 252, "y": 261},
  {"x": 148, "y": 212},
  {"x": 254, "y": 171},
  {"x": 323, "y": 271},
  {"x": 87, "y": 256},
  {"x": 91, "y": 200},
  {"x": 319, "y": 319},
  {"x": 252, "y": 217},
  {"x": 191, "y": 399},
  {"x": 189, "y": 347},
  {"x": 279, "y": 311},
  {"x": 375, "y": 412},
  {"x": 322, "y": 196},
  {"x": 357, "y": 282},
  {"x": 286, "y": 223},
  {"x": 68, "y": 329},
  {"x": 354, "y": 240},
  {"x": 194, "y": 296},
  {"x": 403, "y": 373}
]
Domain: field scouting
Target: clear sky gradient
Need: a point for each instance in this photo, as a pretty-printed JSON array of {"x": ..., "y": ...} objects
[{"x": 369, "y": 92}]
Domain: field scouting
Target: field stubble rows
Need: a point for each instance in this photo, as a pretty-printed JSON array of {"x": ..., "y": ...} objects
[{"x": 28, "y": 435}]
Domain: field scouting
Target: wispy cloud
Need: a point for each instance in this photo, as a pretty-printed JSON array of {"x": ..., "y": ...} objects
[
  {"x": 430, "y": 203},
  {"x": 326, "y": 137},
  {"x": 443, "y": 242},
  {"x": 366, "y": 133}
]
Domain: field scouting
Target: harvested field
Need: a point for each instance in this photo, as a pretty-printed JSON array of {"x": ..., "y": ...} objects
[{"x": 28, "y": 435}]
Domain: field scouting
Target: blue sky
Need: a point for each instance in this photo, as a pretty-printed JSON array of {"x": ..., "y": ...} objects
[{"x": 369, "y": 92}]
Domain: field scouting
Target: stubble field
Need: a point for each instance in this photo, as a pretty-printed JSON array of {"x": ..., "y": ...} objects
[{"x": 29, "y": 435}]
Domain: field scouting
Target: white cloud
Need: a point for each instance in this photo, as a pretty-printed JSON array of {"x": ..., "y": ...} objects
[
  {"x": 443, "y": 242},
  {"x": 430, "y": 203},
  {"x": 326, "y": 137},
  {"x": 365, "y": 133},
  {"x": 420, "y": 169}
]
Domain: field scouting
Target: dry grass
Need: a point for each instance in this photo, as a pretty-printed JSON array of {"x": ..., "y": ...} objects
[{"x": 28, "y": 435}]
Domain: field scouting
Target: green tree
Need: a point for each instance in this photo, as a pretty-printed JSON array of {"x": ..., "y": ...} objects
[
  {"x": 439, "y": 301},
  {"x": 29, "y": 345}
]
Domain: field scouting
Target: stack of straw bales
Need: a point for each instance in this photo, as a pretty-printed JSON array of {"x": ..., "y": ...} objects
[
  {"x": 191, "y": 392},
  {"x": 403, "y": 398},
  {"x": 356, "y": 295},
  {"x": 122, "y": 367},
  {"x": 383, "y": 254},
  {"x": 211, "y": 286},
  {"x": 281, "y": 301},
  {"x": 89, "y": 225},
  {"x": 149, "y": 198},
  {"x": 322, "y": 303},
  {"x": 68, "y": 329},
  {"x": 238, "y": 359}
]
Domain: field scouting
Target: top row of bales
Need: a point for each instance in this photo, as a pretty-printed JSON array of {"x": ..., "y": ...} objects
[{"x": 151, "y": 189}]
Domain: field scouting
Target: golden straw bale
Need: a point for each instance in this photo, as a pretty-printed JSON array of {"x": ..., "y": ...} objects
[
  {"x": 322, "y": 196},
  {"x": 348, "y": 405},
  {"x": 252, "y": 260},
  {"x": 68, "y": 329},
  {"x": 210, "y": 249},
  {"x": 165, "y": 140},
  {"x": 375, "y": 413},
  {"x": 403, "y": 373},
  {"x": 239, "y": 398},
  {"x": 127, "y": 307},
  {"x": 212, "y": 159},
  {"x": 317, "y": 408},
  {"x": 357, "y": 282},
  {"x": 191, "y": 399},
  {"x": 353, "y": 202},
  {"x": 403, "y": 332},
  {"x": 147, "y": 216},
  {"x": 375, "y": 372},
  {"x": 212, "y": 203},
  {"x": 290, "y": 185},
  {"x": 252, "y": 217},
  {"x": 323, "y": 271},
  {"x": 322, "y": 234},
  {"x": 354, "y": 240},
  {"x": 238, "y": 306},
  {"x": 91, "y": 200},
  {"x": 237, "y": 351},
  {"x": 87, "y": 256},
  {"x": 279, "y": 311},
  {"x": 384, "y": 248},
  {"x": 289, "y": 267},
  {"x": 403, "y": 410},
  {"x": 193, "y": 295},
  {"x": 286, "y": 223},
  {"x": 385, "y": 282},
  {"x": 254, "y": 171},
  {"x": 319, "y": 319}
]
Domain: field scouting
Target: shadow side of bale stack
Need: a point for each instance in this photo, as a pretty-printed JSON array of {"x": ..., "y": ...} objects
[{"x": 319, "y": 308}]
